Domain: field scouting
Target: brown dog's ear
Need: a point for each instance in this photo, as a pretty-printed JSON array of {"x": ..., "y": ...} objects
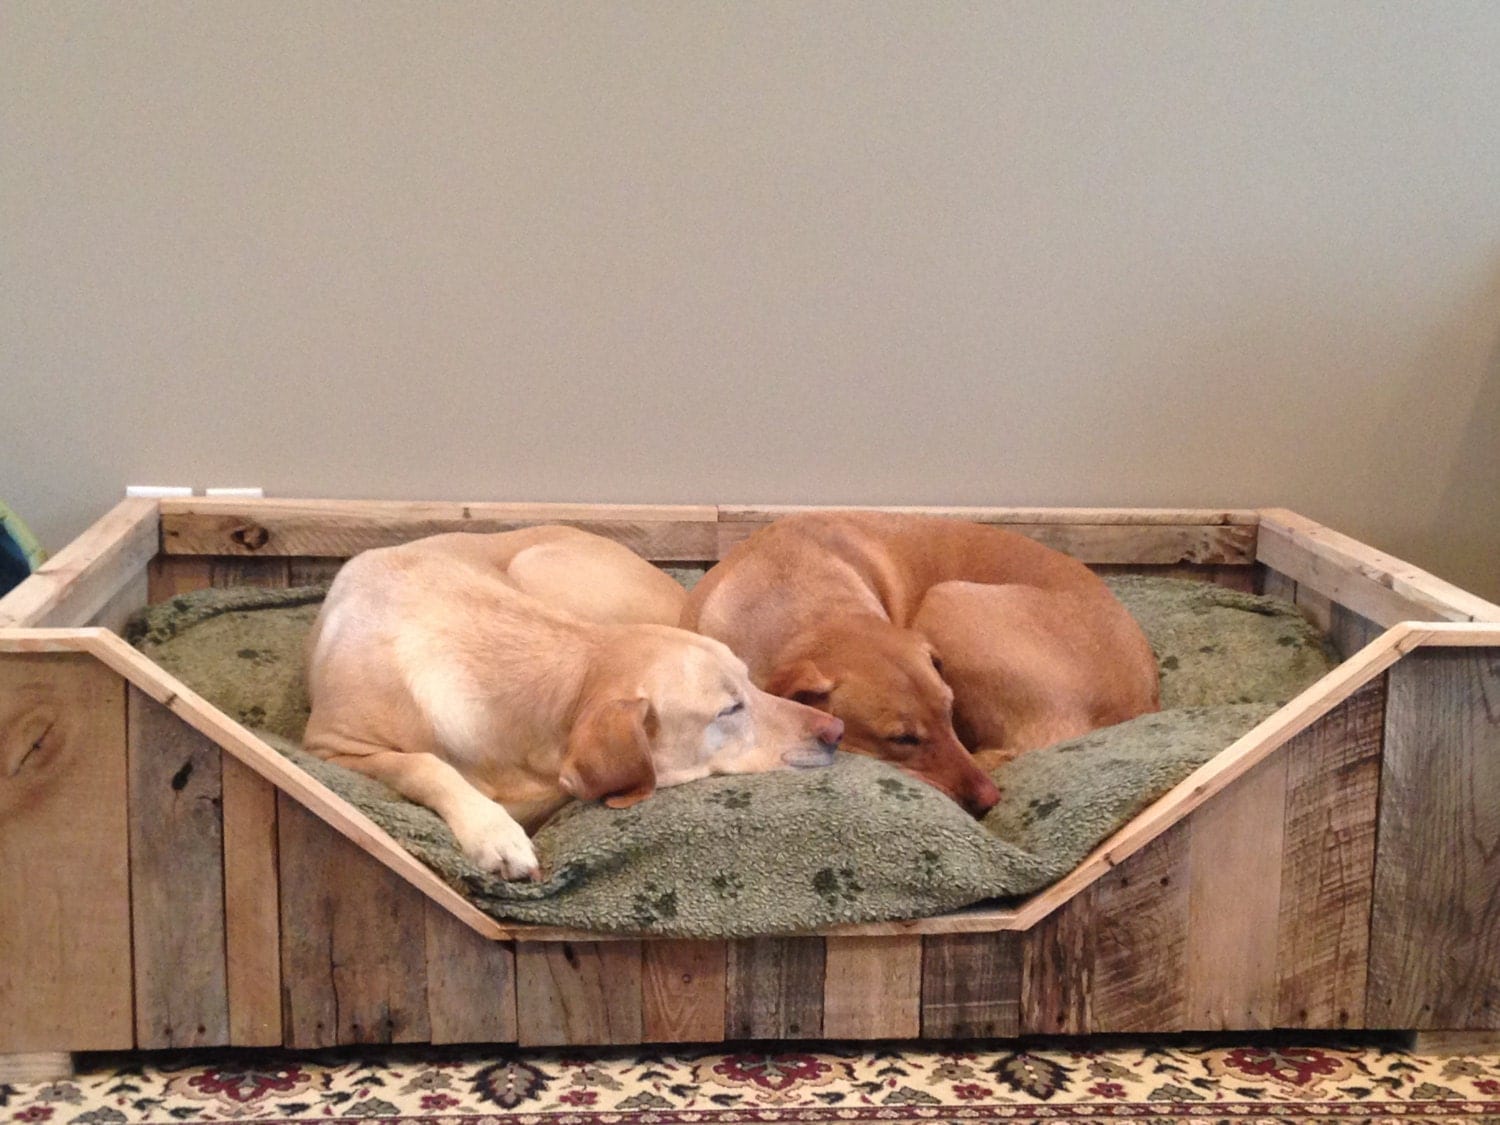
[
  {"x": 609, "y": 753},
  {"x": 801, "y": 680}
]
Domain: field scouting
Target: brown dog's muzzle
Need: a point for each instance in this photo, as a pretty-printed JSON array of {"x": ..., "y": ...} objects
[{"x": 952, "y": 769}]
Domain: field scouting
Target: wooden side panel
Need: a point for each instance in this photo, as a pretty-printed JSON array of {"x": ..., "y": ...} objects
[
  {"x": 971, "y": 986},
  {"x": 266, "y": 528},
  {"x": 176, "y": 881},
  {"x": 872, "y": 987},
  {"x": 1141, "y": 939},
  {"x": 310, "y": 570},
  {"x": 1328, "y": 864},
  {"x": 1234, "y": 898},
  {"x": 252, "y": 932},
  {"x": 682, "y": 991},
  {"x": 270, "y": 573},
  {"x": 1435, "y": 927},
  {"x": 578, "y": 993},
  {"x": 471, "y": 983},
  {"x": 169, "y": 575},
  {"x": 64, "y": 849},
  {"x": 1348, "y": 631},
  {"x": 353, "y": 941},
  {"x": 775, "y": 988},
  {"x": 131, "y": 597},
  {"x": 1057, "y": 970}
]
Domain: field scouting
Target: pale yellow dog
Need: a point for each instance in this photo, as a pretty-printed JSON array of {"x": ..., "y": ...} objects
[{"x": 494, "y": 677}]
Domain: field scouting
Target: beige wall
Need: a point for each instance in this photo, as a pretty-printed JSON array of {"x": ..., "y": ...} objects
[{"x": 1014, "y": 253}]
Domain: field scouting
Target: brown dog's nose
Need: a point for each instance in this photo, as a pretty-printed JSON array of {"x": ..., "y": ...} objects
[
  {"x": 983, "y": 795},
  {"x": 831, "y": 731}
]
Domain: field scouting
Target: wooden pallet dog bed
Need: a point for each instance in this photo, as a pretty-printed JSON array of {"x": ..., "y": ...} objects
[{"x": 169, "y": 880}]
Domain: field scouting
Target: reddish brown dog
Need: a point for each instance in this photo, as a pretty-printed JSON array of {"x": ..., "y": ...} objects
[{"x": 930, "y": 638}]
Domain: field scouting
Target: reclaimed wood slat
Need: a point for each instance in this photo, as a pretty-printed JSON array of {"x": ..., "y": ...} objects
[
  {"x": 1130, "y": 517},
  {"x": 775, "y": 988},
  {"x": 1348, "y": 632},
  {"x": 1274, "y": 584},
  {"x": 271, "y": 574},
  {"x": 306, "y": 570},
  {"x": 1146, "y": 544},
  {"x": 578, "y": 993},
  {"x": 118, "y": 610},
  {"x": 1435, "y": 926},
  {"x": 1140, "y": 943},
  {"x": 176, "y": 880},
  {"x": 1057, "y": 970},
  {"x": 252, "y": 930},
  {"x": 1234, "y": 898},
  {"x": 872, "y": 987},
  {"x": 170, "y": 575},
  {"x": 64, "y": 845},
  {"x": 353, "y": 941},
  {"x": 471, "y": 983},
  {"x": 344, "y": 528},
  {"x": 1315, "y": 606},
  {"x": 971, "y": 986},
  {"x": 1328, "y": 864},
  {"x": 75, "y": 584},
  {"x": 682, "y": 991}
]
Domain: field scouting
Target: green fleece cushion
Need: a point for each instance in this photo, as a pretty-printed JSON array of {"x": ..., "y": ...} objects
[{"x": 789, "y": 851}]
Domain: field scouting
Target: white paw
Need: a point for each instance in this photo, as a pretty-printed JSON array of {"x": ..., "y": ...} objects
[{"x": 492, "y": 841}]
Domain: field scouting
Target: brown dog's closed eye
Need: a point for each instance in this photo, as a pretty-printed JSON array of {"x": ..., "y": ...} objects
[{"x": 609, "y": 753}]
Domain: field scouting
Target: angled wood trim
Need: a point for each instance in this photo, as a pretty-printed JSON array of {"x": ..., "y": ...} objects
[
  {"x": 1376, "y": 585},
  {"x": 80, "y": 580}
]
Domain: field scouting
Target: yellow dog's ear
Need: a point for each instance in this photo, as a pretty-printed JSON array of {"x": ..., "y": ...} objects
[
  {"x": 801, "y": 680},
  {"x": 609, "y": 753}
]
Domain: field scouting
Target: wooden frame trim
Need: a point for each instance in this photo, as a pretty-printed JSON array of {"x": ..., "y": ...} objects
[
  {"x": 277, "y": 527},
  {"x": 1376, "y": 585},
  {"x": 81, "y": 579}
]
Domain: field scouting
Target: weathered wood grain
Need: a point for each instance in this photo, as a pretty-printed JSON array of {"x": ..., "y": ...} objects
[
  {"x": 683, "y": 991},
  {"x": 64, "y": 842},
  {"x": 872, "y": 987},
  {"x": 118, "y": 610},
  {"x": 74, "y": 585},
  {"x": 1435, "y": 926},
  {"x": 272, "y": 574},
  {"x": 339, "y": 528},
  {"x": 306, "y": 570},
  {"x": 1136, "y": 545},
  {"x": 971, "y": 986},
  {"x": 252, "y": 930},
  {"x": 775, "y": 988},
  {"x": 1234, "y": 897},
  {"x": 571, "y": 993},
  {"x": 170, "y": 575},
  {"x": 176, "y": 881},
  {"x": 1140, "y": 944},
  {"x": 1348, "y": 632},
  {"x": 1057, "y": 969},
  {"x": 471, "y": 983},
  {"x": 353, "y": 941},
  {"x": 1328, "y": 864}
]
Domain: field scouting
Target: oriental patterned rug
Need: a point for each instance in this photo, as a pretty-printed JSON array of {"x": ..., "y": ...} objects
[{"x": 1269, "y": 1081}]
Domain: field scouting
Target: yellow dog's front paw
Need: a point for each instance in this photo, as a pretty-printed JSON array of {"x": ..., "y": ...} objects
[{"x": 494, "y": 842}]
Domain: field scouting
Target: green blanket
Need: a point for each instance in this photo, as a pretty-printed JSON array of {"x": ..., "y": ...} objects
[{"x": 790, "y": 851}]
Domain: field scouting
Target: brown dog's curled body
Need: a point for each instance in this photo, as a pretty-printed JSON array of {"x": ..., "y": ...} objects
[
  {"x": 494, "y": 677},
  {"x": 929, "y": 637}
]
